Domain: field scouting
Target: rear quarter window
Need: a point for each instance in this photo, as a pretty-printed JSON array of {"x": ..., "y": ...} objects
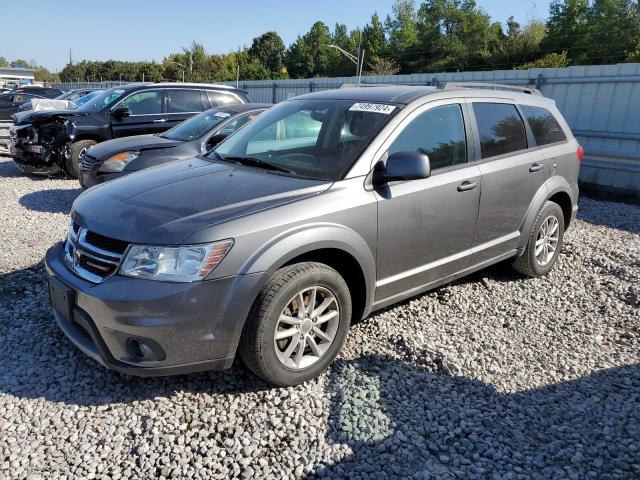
[
  {"x": 544, "y": 125},
  {"x": 219, "y": 99},
  {"x": 500, "y": 127}
]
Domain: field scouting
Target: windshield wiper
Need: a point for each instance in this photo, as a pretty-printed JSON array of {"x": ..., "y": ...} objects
[{"x": 255, "y": 162}]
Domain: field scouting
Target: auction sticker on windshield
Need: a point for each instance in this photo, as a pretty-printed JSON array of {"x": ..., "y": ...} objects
[{"x": 372, "y": 107}]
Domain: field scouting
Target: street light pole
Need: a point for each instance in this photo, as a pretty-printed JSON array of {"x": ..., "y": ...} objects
[
  {"x": 351, "y": 57},
  {"x": 181, "y": 66}
]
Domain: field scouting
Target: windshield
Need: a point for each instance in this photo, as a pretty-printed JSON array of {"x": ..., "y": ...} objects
[
  {"x": 196, "y": 126},
  {"x": 311, "y": 138},
  {"x": 101, "y": 100},
  {"x": 84, "y": 99},
  {"x": 64, "y": 96}
]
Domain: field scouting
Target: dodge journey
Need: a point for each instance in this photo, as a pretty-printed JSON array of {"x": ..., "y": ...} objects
[{"x": 325, "y": 208}]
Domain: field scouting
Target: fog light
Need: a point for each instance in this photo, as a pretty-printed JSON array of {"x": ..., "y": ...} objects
[{"x": 139, "y": 350}]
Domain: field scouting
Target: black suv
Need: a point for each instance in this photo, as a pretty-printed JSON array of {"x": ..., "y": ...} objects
[{"x": 47, "y": 142}]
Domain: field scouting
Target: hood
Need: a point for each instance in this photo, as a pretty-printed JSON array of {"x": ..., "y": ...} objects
[
  {"x": 138, "y": 142},
  {"x": 31, "y": 116},
  {"x": 165, "y": 204}
]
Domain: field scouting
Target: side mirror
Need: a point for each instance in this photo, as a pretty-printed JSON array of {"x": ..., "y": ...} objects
[
  {"x": 121, "y": 112},
  {"x": 214, "y": 140},
  {"x": 402, "y": 166}
]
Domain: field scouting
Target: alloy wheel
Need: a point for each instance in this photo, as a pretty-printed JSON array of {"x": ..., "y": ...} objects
[
  {"x": 306, "y": 327},
  {"x": 547, "y": 240}
]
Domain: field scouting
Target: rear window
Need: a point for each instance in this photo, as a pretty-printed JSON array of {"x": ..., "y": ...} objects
[
  {"x": 544, "y": 125},
  {"x": 500, "y": 127}
]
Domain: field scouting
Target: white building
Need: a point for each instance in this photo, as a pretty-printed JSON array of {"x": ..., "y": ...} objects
[{"x": 14, "y": 76}]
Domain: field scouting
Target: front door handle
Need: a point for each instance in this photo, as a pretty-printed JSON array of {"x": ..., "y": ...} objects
[
  {"x": 535, "y": 167},
  {"x": 162, "y": 120},
  {"x": 467, "y": 185}
]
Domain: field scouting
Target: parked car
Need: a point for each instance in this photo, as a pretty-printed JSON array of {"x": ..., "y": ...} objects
[
  {"x": 71, "y": 96},
  {"x": 53, "y": 141},
  {"x": 195, "y": 136},
  {"x": 326, "y": 207},
  {"x": 11, "y": 101},
  {"x": 46, "y": 92}
]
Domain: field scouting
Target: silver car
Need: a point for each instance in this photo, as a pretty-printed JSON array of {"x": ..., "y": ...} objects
[{"x": 324, "y": 209}]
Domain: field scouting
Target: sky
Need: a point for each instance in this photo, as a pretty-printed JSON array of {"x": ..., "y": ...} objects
[{"x": 150, "y": 30}]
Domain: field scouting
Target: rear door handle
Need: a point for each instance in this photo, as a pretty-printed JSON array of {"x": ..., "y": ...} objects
[
  {"x": 536, "y": 166},
  {"x": 467, "y": 185},
  {"x": 162, "y": 120}
]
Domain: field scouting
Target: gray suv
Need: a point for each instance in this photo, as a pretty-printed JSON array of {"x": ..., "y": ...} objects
[{"x": 325, "y": 208}]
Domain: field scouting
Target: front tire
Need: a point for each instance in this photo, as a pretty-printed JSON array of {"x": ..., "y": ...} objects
[
  {"x": 77, "y": 149},
  {"x": 545, "y": 242},
  {"x": 297, "y": 324}
]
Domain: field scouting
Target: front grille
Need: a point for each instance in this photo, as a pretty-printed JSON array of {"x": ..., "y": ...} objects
[
  {"x": 96, "y": 266},
  {"x": 92, "y": 256},
  {"x": 88, "y": 162},
  {"x": 106, "y": 243}
]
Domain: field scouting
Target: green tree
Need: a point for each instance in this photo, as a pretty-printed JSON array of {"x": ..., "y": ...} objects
[
  {"x": 374, "y": 41},
  {"x": 613, "y": 29},
  {"x": 568, "y": 30},
  {"x": 3, "y": 62},
  {"x": 402, "y": 32},
  {"x": 269, "y": 50},
  {"x": 634, "y": 54},
  {"x": 381, "y": 66},
  {"x": 550, "y": 60},
  {"x": 43, "y": 75},
  {"x": 308, "y": 56},
  {"x": 456, "y": 35},
  {"x": 519, "y": 45},
  {"x": 339, "y": 64}
]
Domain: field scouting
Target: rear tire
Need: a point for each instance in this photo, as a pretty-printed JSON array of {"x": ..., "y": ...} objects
[
  {"x": 72, "y": 164},
  {"x": 544, "y": 244},
  {"x": 276, "y": 328}
]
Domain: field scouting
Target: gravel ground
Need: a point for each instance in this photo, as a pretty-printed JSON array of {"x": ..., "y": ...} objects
[{"x": 494, "y": 376}]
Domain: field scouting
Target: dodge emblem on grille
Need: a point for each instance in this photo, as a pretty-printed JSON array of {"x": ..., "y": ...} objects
[{"x": 99, "y": 267}]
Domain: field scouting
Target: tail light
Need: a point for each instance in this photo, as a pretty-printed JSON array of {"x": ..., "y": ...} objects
[{"x": 580, "y": 153}]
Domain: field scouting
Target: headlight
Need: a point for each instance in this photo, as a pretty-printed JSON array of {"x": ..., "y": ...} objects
[
  {"x": 188, "y": 263},
  {"x": 117, "y": 162}
]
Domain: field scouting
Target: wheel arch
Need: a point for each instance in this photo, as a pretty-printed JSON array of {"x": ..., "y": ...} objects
[
  {"x": 335, "y": 245},
  {"x": 557, "y": 190},
  {"x": 87, "y": 136}
]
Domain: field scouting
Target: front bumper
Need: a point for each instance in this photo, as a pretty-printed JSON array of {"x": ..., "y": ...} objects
[
  {"x": 34, "y": 163},
  {"x": 190, "y": 326},
  {"x": 91, "y": 178}
]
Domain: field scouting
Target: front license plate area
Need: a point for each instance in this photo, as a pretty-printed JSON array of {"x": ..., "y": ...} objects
[
  {"x": 61, "y": 297},
  {"x": 33, "y": 148}
]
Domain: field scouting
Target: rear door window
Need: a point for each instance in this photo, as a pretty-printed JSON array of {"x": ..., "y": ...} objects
[
  {"x": 500, "y": 127},
  {"x": 180, "y": 101},
  {"x": 438, "y": 133},
  {"x": 146, "y": 102},
  {"x": 544, "y": 125}
]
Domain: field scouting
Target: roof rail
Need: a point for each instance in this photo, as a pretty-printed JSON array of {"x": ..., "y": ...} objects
[
  {"x": 489, "y": 86},
  {"x": 165, "y": 83},
  {"x": 372, "y": 84}
]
